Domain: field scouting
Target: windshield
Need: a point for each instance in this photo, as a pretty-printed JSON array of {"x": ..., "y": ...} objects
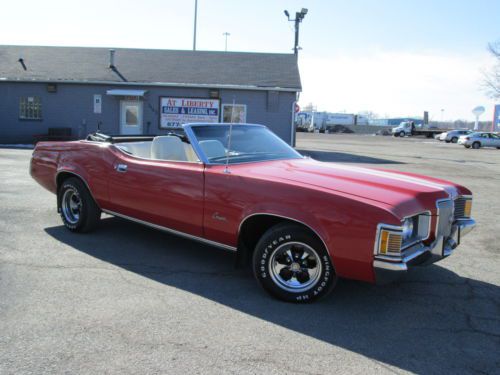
[{"x": 249, "y": 143}]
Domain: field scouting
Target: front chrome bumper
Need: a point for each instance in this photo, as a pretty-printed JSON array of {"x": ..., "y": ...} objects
[{"x": 388, "y": 269}]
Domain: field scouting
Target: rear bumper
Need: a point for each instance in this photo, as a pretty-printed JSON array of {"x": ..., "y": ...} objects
[{"x": 389, "y": 269}]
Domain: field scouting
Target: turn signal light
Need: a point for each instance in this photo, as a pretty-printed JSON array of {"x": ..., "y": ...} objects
[
  {"x": 468, "y": 208},
  {"x": 390, "y": 242}
]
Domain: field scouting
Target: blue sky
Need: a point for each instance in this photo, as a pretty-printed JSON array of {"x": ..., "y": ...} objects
[{"x": 391, "y": 57}]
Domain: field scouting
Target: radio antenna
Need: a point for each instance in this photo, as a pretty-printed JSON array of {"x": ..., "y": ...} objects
[{"x": 226, "y": 170}]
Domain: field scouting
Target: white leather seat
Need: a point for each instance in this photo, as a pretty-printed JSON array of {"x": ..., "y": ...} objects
[
  {"x": 139, "y": 149},
  {"x": 168, "y": 147},
  {"x": 213, "y": 148}
]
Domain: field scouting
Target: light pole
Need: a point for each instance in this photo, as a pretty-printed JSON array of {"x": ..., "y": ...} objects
[
  {"x": 299, "y": 16},
  {"x": 226, "y": 34},
  {"x": 195, "y": 17}
]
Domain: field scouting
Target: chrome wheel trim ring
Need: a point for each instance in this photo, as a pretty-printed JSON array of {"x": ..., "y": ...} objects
[
  {"x": 293, "y": 285},
  {"x": 71, "y": 205}
]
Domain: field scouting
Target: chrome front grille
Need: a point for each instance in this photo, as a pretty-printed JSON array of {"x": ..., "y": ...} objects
[
  {"x": 459, "y": 208},
  {"x": 446, "y": 218}
]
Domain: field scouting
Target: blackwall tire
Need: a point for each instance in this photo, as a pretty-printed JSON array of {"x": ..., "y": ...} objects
[
  {"x": 476, "y": 145},
  {"x": 293, "y": 265},
  {"x": 78, "y": 210}
]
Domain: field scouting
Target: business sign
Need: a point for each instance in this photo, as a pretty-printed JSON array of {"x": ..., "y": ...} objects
[
  {"x": 177, "y": 111},
  {"x": 496, "y": 118}
]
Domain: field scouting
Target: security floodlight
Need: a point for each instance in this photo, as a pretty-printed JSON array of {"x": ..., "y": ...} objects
[{"x": 299, "y": 16}]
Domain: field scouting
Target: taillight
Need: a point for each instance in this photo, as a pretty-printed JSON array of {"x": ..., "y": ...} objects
[{"x": 467, "y": 138}]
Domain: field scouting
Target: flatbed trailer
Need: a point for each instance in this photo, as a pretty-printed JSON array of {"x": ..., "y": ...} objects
[{"x": 408, "y": 128}]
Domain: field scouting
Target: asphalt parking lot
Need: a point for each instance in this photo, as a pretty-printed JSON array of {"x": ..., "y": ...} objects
[{"x": 128, "y": 299}]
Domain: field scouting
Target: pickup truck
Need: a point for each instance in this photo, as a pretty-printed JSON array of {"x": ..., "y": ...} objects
[{"x": 409, "y": 128}]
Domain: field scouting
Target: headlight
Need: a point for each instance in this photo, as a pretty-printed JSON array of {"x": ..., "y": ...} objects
[
  {"x": 393, "y": 239},
  {"x": 416, "y": 228},
  {"x": 407, "y": 229}
]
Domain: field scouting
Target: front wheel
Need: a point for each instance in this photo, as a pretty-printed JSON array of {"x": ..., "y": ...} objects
[
  {"x": 79, "y": 212},
  {"x": 293, "y": 265},
  {"x": 401, "y": 134}
]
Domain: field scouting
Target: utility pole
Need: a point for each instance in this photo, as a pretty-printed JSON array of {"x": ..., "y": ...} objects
[
  {"x": 299, "y": 16},
  {"x": 195, "y": 17},
  {"x": 226, "y": 34}
]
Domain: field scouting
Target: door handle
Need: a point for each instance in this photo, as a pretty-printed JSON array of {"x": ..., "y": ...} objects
[{"x": 121, "y": 168}]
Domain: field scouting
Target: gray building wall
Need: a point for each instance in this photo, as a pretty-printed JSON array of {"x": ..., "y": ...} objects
[{"x": 72, "y": 106}]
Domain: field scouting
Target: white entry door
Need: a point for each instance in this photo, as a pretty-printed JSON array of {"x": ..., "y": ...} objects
[{"x": 130, "y": 117}]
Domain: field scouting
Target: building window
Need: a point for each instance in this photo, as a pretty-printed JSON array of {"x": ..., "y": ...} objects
[
  {"x": 30, "y": 108},
  {"x": 235, "y": 113}
]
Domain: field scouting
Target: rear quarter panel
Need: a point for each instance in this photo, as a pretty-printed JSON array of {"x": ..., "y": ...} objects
[{"x": 91, "y": 161}]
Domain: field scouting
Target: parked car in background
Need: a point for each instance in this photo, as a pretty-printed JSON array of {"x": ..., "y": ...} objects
[
  {"x": 441, "y": 136},
  {"x": 300, "y": 222},
  {"x": 480, "y": 139},
  {"x": 453, "y": 135}
]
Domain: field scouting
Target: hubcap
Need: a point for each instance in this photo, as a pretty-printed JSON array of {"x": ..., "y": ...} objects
[
  {"x": 295, "y": 267},
  {"x": 71, "y": 205}
]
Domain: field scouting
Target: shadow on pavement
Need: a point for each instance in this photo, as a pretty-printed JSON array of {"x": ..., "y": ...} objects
[
  {"x": 434, "y": 321},
  {"x": 342, "y": 157}
]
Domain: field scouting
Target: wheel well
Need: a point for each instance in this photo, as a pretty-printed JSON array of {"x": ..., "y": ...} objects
[
  {"x": 253, "y": 228},
  {"x": 62, "y": 176}
]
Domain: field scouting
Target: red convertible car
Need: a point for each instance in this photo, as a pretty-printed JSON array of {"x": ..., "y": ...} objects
[{"x": 302, "y": 223}]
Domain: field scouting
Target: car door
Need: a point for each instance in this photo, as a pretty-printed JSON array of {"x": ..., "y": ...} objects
[
  {"x": 161, "y": 192},
  {"x": 495, "y": 140},
  {"x": 485, "y": 140}
]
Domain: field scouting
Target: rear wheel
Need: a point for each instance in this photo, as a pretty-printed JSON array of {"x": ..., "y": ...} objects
[
  {"x": 454, "y": 140},
  {"x": 293, "y": 265},
  {"x": 78, "y": 210},
  {"x": 476, "y": 145}
]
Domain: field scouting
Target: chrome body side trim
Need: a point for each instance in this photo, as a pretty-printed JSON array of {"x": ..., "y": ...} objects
[{"x": 172, "y": 231}]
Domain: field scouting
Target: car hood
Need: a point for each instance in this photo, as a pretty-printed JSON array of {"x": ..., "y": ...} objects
[{"x": 384, "y": 186}]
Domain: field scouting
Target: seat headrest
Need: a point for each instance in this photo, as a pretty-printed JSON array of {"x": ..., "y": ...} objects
[
  {"x": 168, "y": 147},
  {"x": 213, "y": 148}
]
